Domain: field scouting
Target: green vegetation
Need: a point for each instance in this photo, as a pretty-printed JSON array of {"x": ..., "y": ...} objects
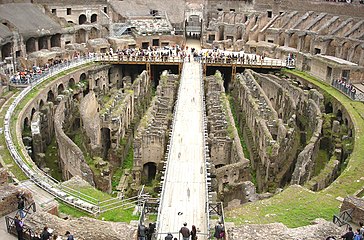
[
  {"x": 322, "y": 159},
  {"x": 238, "y": 127},
  {"x": 5, "y": 156},
  {"x": 116, "y": 215},
  {"x": 296, "y": 206},
  {"x": 51, "y": 160},
  {"x": 127, "y": 164}
]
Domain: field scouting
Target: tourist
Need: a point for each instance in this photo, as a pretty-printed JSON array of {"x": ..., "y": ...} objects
[
  {"x": 19, "y": 227},
  {"x": 169, "y": 236},
  {"x": 219, "y": 231},
  {"x": 21, "y": 205},
  {"x": 69, "y": 236},
  {"x": 185, "y": 232},
  {"x": 151, "y": 231},
  {"x": 357, "y": 235},
  {"x": 193, "y": 233},
  {"x": 142, "y": 232},
  {"x": 349, "y": 235},
  {"x": 361, "y": 228},
  {"x": 45, "y": 235}
]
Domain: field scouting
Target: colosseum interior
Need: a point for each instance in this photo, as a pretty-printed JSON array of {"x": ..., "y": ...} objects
[{"x": 89, "y": 92}]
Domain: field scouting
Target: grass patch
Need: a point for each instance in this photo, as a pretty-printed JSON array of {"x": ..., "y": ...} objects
[
  {"x": 4, "y": 153},
  {"x": 296, "y": 206},
  {"x": 322, "y": 159},
  {"x": 51, "y": 160}
]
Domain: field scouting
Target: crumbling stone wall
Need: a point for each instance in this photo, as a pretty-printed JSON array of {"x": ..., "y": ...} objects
[
  {"x": 71, "y": 158},
  {"x": 153, "y": 132},
  {"x": 299, "y": 105},
  {"x": 42, "y": 132},
  {"x": 83, "y": 228},
  {"x": 90, "y": 117},
  {"x": 276, "y": 142},
  {"x": 357, "y": 205},
  {"x": 230, "y": 166}
]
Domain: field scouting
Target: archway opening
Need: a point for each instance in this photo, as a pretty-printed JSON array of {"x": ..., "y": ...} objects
[
  {"x": 56, "y": 40},
  {"x": 80, "y": 36},
  {"x": 149, "y": 172},
  {"x": 93, "y": 18},
  {"x": 43, "y": 43},
  {"x": 71, "y": 83},
  {"x": 60, "y": 88},
  {"x": 6, "y": 50},
  {"x": 30, "y": 45},
  {"x": 50, "y": 96},
  {"x": 106, "y": 142},
  {"x": 82, "y": 19}
]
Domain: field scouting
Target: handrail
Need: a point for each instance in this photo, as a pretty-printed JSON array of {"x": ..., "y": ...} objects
[{"x": 54, "y": 187}]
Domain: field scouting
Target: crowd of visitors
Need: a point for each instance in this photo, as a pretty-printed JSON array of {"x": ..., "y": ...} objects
[
  {"x": 345, "y": 87},
  {"x": 219, "y": 233}
]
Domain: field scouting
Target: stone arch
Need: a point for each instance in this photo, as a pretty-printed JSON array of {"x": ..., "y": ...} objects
[
  {"x": 94, "y": 33},
  {"x": 82, "y": 77},
  {"x": 60, "y": 88},
  {"x": 328, "y": 108},
  {"x": 97, "y": 81},
  {"x": 82, "y": 19},
  {"x": 339, "y": 116},
  {"x": 293, "y": 41},
  {"x": 6, "y": 50},
  {"x": 56, "y": 40},
  {"x": 345, "y": 50},
  {"x": 30, "y": 45},
  {"x": 43, "y": 43},
  {"x": 71, "y": 83},
  {"x": 41, "y": 104},
  {"x": 105, "y": 141},
  {"x": 32, "y": 113},
  {"x": 26, "y": 123},
  {"x": 50, "y": 96},
  {"x": 80, "y": 36},
  {"x": 355, "y": 54},
  {"x": 93, "y": 18},
  {"x": 149, "y": 171},
  {"x": 307, "y": 43},
  {"x": 331, "y": 48}
]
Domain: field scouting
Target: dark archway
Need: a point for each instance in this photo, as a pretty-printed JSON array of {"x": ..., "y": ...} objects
[
  {"x": 41, "y": 104},
  {"x": 93, "y": 18},
  {"x": 71, "y": 83},
  {"x": 82, "y": 19},
  {"x": 60, "y": 89},
  {"x": 26, "y": 124},
  {"x": 82, "y": 77},
  {"x": 6, "y": 50},
  {"x": 42, "y": 43},
  {"x": 105, "y": 142},
  {"x": 94, "y": 33},
  {"x": 328, "y": 108},
  {"x": 56, "y": 40},
  {"x": 50, "y": 96},
  {"x": 80, "y": 36},
  {"x": 32, "y": 113},
  {"x": 149, "y": 171},
  {"x": 339, "y": 116},
  {"x": 30, "y": 45}
]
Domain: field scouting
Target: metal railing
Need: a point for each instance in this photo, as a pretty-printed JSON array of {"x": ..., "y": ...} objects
[
  {"x": 343, "y": 218},
  {"x": 351, "y": 91},
  {"x": 66, "y": 194},
  {"x": 239, "y": 62},
  {"x": 28, "y": 233}
]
